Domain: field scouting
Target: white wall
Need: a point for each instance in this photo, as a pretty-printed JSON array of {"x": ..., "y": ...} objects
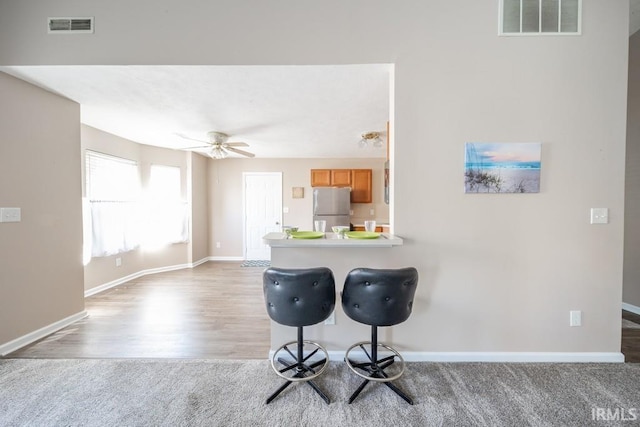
[{"x": 498, "y": 272}]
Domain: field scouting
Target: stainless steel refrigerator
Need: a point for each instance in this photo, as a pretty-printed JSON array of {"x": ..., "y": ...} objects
[{"x": 332, "y": 205}]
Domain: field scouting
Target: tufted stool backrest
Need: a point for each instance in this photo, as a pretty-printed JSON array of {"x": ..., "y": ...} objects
[
  {"x": 299, "y": 297},
  {"x": 379, "y": 297}
]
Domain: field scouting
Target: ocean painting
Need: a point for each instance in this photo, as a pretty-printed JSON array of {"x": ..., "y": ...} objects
[{"x": 502, "y": 168}]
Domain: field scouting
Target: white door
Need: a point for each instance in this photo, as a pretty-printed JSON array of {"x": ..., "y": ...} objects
[{"x": 262, "y": 211}]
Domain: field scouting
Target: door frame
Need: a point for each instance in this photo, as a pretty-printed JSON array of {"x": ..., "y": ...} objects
[{"x": 244, "y": 204}]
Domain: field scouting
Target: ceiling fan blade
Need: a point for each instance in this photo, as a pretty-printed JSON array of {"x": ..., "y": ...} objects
[
  {"x": 236, "y": 144},
  {"x": 196, "y": 147},
  {"x": 241, "y": 152},
  {"x": 183, "y": 136}
]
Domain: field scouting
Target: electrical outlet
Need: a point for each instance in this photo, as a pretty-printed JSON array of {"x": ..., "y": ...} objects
[
  {"x": 118, "y": 262},
  {"x": 372, "y": 212},
  {"x": 575, "y": 318},
  {"x": 9, "y": 214},
  {"x": 599, "y": 215},
  {"x": 285, "y": 209},
  {"x": 218, "y": 245}
]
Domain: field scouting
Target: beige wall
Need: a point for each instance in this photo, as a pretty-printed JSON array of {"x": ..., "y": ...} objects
[
  {"x": 41, "y": 262},
  {"x": 226, "y": 204},
  {"x": 199, "y": 201},
  {"x": 631, "y": 288},
  {"x": 497, "y": 272},
  {"x": 103, "y": 270}
]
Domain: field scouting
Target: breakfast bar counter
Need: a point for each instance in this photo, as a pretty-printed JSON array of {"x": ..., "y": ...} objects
[
  {"x": 280, "y": 240},
  {"x": 341, "y": 255}
]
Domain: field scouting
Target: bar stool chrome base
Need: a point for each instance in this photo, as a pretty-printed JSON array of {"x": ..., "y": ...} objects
[
  {"x": 301, "y": 369},
  {"x": 374, "y": 369}
]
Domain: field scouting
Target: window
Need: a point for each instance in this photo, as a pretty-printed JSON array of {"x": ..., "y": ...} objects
[
  {"x": 113, "y": 191},
  {"x": 166, "y": 214},
  {"x": 540, "y": 17}
]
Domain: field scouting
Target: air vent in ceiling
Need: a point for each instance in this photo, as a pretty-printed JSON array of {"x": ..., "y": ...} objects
[{"x": 70, "y": 25}]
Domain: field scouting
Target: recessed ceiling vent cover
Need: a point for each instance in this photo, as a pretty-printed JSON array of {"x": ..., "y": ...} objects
[{"x": 70, "y": 25}]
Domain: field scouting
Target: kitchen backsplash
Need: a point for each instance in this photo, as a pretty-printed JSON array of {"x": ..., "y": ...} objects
[{"x": 362, "y": 211}]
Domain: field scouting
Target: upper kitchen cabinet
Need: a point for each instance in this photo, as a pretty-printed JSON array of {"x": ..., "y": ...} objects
[
  {"x": 341, "y": 177},
  {"x": 359, "y": 180},
  {"x": 331, "y": 177},
  {"x": 361, "y": 186},
  {"x": 321, "y": 178}
]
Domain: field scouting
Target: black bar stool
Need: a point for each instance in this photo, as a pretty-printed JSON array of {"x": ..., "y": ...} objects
[
  {"x": 378, "y": 297},
  {"x": 299, "y": 297}
]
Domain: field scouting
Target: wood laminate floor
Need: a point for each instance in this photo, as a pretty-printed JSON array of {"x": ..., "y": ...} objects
[
  {"x": 215, "y": 310},
  {"x": 631, "y": 339}
]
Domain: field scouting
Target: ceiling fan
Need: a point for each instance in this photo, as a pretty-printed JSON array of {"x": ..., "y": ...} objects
[{"x": 219, "y": 147}]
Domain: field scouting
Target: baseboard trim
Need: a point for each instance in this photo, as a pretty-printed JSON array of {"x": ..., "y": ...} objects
[
  {"x": 631, "y": 308},
  {"x": 495, "y": 357},
  {"x": 27, "y": 339},
  {"x": 226, "y": 258},
  {"x": 141, "y": 273},
  {"x": 197, "y": 263}
]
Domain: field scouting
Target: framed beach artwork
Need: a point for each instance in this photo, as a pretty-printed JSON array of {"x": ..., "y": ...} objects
[{"x": 502, "y": 167}]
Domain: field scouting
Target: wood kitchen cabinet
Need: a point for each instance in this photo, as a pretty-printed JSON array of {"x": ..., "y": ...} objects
[
  {"x": 379, "y": 228},
  {"x": 360, "y": 181},
  {"x": 331, "y": 177},
  {"x": 321, "y": 177},
  {"x": 341, "y": 177}
]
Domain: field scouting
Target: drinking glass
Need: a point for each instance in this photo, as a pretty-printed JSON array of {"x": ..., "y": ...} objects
[
  {"x": 370, "y": 225},
  {"x": 319, "y": 225}
]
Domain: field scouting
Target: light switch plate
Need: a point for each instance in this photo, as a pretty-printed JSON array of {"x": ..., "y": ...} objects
[
  {"x": 599, "y": 215},
  {"x": 10, "y": 215}
]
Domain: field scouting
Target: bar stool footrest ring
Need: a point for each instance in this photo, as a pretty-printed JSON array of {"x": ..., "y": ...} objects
[
  {"x": 368, "y": 377},
  {"x": 301, "y": 378}
]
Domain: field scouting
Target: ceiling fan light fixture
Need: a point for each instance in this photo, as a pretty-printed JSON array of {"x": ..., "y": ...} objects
[
  {"x": 218, "y": 153},
  {"x": 370, "y": 139},
  {"x": 217, "y": 146}
]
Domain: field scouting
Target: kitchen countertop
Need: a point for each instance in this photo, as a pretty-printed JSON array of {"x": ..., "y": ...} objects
[
  {"x": 360, "y": 222},
  {"x": 279, "y": 240},
  {"x": 378, "y": 224}
]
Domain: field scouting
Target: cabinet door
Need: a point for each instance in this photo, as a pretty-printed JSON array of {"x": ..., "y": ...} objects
[
  {"x": 379, "y": 229},
  {"x": 321, "y": 177},
  {"x": 361, "y": 186},
  {"x": 341, "y": 177}
]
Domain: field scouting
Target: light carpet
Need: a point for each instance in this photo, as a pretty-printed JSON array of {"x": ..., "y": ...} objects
[{"x": 92, "y": 392}]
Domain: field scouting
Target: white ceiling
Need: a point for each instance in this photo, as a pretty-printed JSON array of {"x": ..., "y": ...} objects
[{"x": 280, "y": 111}]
